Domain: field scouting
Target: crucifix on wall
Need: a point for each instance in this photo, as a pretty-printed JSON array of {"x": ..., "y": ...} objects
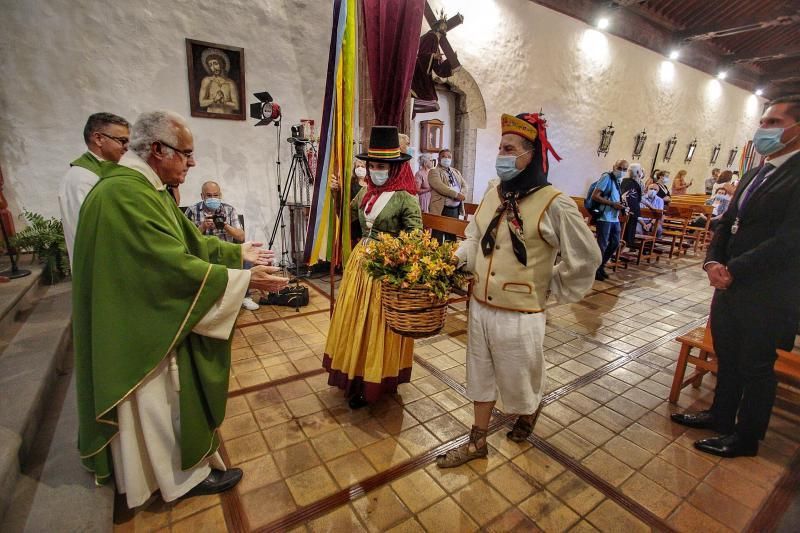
[{"x": 435, "y": 56}]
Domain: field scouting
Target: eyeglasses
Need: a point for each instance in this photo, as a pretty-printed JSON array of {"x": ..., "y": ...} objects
[
  {"x": 188, "y": 154},
  {"x": 121, "y": 140}
]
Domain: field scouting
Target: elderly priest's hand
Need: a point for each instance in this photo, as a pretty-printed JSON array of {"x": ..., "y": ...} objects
[
  {"x": 262, "y": 279},
  {"x": 252, "y": 252}
]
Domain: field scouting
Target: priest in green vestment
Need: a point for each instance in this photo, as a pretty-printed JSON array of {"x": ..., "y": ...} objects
[{"x": 154, "y": 305}]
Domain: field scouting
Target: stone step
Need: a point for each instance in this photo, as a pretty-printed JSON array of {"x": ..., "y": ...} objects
[
  {"x": 34, "y": 346},
  {"x": 17, "y": 298}
]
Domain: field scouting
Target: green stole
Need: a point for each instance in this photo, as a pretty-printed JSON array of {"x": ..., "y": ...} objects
[
  {"x": 88, "y": 161},
  {"x": 143, "y": 277}
]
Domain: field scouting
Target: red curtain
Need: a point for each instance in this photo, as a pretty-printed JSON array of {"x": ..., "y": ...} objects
[{"x": 392, "y": 29}]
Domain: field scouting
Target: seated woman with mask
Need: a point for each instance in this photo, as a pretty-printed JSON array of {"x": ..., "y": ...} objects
[{"x": 362, "y": 355}]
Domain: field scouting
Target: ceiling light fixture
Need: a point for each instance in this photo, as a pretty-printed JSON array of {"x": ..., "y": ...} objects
[
  {"x": 722, "y": 74},
  {"x": 759, "y": 92},
  {"x": 603, "y": 23},
  {"x": 675, "y": 54}
]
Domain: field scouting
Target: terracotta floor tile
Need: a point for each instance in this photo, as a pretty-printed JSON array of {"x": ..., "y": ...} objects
[
  {"x": 452, "y": 479},
  {"x": 628, "y": 452},
  {"x": 417, "y": 440},
  {"x": 645, "y": 399},
  {"x": 446, "y": 427},
  {"x": 591, "y": 431},
  {"x": 385, "y": 453},
  {"x": 341, "y": 519},
  {"x": 305, "y": 405},
  {"x": 538, "y": 465},
  {"x": 280, "y": 501},
  {"x": 721, "y": 507},
  {"x": 662, "y": 425},
  {"x": 283, "y": 435},
  {"x": 318, "y": 423},
  {"x": 561, "y": 413},
  {"x": 597, "y": 393},
  {"x": 577, "y": 493},
  {"x": 263, "y": 398},
  {"x": 741, "y": 489},
  {"x": 295, "y": 459},
  {"x": 607, "y": 467},
  {"x": 208, "y": 521},
  {"x": 446, "y": 516},
  {"x": 381, "y": 509},
  {"x": 650, "y": 495},
  {"x": 548, "y": 512},
  {"x": 332, "y": 444},
  {"x": 613, "y": 384},
  {"x": 418, "y": 490},
  {"x": 242, "y": 354},
  {"x": 546, "y": 426},
  {"x": 236, "y": 406},
  {"x": 237, "y": 426},
  {"x": 627, "y": 408},
  {"x": 688, "y": 460},
  {"x": 409, "y": 526},
  {"x": 571, "y": 444},
  {"x": 689, "y": 518},
  {"x": 350, "y": 469},
  {"x": 244, "y": 448},
  {"x": 506, "y": 446},
  {"x": 748, "y": 468},
  {"x": 407, "y": 393},
  {"x": 271, "y": 416},
  {"x": 510, "y": 483},
  {"x": 311, "y": 485},
  {"x": 424, "y": 409},
  {"x": 258, "y": 473},
  {"x": 670, "y": 477},
  {"x": 511, "y": 521},
  {"x": 449, "y": 400},
  {"x": 183, "y": 508},
  {"x": 481, "y": 501},
  {"x": 609, "y": 516},
  {"x": 397, "y": 419},
  {"x": 610, "y": 419},
  {"x": 250, "y": 379},
  {"x": 248, "y": 365},
  {"x": 366, "y": 433},
  {"x": 645, "y": 438}
]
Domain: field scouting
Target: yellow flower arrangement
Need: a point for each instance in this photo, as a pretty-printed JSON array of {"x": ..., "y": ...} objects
[{"x": 414, "y": 259}]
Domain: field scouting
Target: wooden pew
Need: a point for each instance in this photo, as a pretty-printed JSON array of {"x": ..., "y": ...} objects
[
  {"x": 646, "y": 242},
  {"x": 470, "y": 209},
  {"x": 787, "y": 366}
]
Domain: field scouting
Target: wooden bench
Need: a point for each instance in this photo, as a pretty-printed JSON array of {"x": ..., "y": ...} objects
[
  {"x": 787, "y": 366},
  {"x": 699, "y": 236},
  {"x": 646, "y": 242},
  {"x": 470, "y": 209}
]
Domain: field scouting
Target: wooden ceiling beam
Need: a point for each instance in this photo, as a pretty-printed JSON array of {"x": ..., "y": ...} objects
[
  {"x": 765, "y": 56},
  {"x": 713, "y": 32}
]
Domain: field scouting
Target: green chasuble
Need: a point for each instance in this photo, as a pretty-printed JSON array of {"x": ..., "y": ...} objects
[
  {"x": 88, "y": 161},
  {"x": 143, "y": 277}
]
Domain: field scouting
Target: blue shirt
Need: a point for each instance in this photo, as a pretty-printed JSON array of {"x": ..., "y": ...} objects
[{"x": 609, "y": 191}]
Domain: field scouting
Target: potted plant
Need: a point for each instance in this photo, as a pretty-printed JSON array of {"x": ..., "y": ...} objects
[
  {"x": 416, "y": 273},
  {"x": 45, "y": 238}
]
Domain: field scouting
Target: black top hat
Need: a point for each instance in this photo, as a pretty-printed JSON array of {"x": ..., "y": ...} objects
[{"x": 384, "y": 146}]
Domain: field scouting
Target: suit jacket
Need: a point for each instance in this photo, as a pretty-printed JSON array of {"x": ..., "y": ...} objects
[
  {"x": 440, "y": 189},
  {"x": 764, "y": 255}
]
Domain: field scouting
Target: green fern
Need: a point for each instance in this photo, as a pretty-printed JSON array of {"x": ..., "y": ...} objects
[{"x": 45, "y": 238}]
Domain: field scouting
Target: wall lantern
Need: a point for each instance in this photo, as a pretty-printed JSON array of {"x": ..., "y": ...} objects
[
  {"x": 732, "y": 155},
  {"x": 690, "y": 151},
  {"x": 605, "y": 140},
  {"x": 670, "y": 147},
  {"x": 639, "y": 145},
  {"x": 715, "y": 152}
]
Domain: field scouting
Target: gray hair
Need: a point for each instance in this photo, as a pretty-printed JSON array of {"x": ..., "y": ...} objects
[
  {"x": 101, "y": 120},
  {"x": 155, "y": 126},
  {"x": 424, "y": 158},
  {"x": 635, "y": 169}
]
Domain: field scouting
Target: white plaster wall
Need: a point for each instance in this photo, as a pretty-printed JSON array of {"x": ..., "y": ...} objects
[
  {"x": 525, "y": 57},
  {"x": 66, "y": 59},
  {"x": 446, "y": 113}
]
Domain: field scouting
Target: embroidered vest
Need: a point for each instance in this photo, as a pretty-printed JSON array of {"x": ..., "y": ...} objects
[{"x": 500, "y": 279}]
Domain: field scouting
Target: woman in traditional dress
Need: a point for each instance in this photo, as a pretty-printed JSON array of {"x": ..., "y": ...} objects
[{"x": 362, "y": 355}]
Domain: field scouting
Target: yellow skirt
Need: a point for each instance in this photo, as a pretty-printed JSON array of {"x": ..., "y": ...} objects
[{"x": 362, "y": 354}]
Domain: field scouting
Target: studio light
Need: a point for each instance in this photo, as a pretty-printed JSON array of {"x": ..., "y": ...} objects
[
  {"x": 265, "y": 110},
  {"x": 603, "y": 23}
]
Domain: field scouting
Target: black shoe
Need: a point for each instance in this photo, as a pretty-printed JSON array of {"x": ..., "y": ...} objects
[
  {"x": 699, "y": 420},
  {"x": 732, "y": 445},
  {"x": 357, "y": 402},
  {"x": 600, "y": 275},
  {"x": 216, "y": 482}
]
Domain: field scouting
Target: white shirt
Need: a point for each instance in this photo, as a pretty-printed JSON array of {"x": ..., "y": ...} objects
[{"x": 74, "y": 187}]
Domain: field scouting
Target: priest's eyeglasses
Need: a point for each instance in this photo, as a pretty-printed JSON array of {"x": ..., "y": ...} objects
[
  {"x": 123, "y": 141},
  {"x": 188, "y": 154}
]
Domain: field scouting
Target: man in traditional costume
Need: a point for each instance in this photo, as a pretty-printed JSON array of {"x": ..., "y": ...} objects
[
  {"x": 519, "y": 229},
  {"x": 154, "y": 304},
  {"x": 106, "y": 137},
  {"x": 362, "y": 355}
]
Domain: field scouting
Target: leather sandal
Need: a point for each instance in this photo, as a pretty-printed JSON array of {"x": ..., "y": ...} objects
[
  {"x": 466, "y": 452},
  {"x": 521, "y": 431}
]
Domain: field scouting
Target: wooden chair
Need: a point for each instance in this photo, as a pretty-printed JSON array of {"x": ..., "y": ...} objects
[
  {"x": 470, "y": 209},
  {"x": 646, "y": 242},
  {"x": 787, "y": 366},
  {"x": 673, "y": 233}
]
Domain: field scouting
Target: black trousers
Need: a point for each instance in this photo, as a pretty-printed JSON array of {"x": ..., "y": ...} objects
[
  {"x": 452, "y": 212},
  {"x": 746, "y": 336}
]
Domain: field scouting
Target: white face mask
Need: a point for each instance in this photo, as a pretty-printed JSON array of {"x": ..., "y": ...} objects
[
  {"x": 445, "y": 162},
  {"x": 361, "y": 172},
  {"x": 651, "y": 194},
  {"x": 379, "y": 177}
]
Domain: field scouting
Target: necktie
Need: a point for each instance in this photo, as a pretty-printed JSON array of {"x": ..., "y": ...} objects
[{"x": 755, "y": 184}]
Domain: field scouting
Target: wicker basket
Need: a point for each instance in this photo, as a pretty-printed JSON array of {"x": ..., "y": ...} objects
[{"x": 412, "y": 312}]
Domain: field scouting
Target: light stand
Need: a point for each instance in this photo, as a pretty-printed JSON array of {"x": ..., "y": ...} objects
[{"x": 15, "y": 272}]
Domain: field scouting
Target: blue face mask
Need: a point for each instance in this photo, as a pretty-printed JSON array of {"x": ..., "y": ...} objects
[
  {"x": 411, "y": 151},
  {"x": 617, "y": 173},
  {"x": 212, "y": 204},
  {"x": 506, "y": 166},
  {"x": 768, "y": 140},
  {"x": 379, "y": 177}
]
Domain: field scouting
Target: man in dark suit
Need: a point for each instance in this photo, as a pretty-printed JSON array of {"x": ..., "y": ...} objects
[{"x": 754, "y": 264}]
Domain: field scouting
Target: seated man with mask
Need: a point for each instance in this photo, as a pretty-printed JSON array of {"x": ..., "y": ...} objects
[{"x": 214, "y": 217}]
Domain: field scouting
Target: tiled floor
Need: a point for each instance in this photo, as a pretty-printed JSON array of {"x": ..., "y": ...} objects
[{"x": 604, "y": 455}]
